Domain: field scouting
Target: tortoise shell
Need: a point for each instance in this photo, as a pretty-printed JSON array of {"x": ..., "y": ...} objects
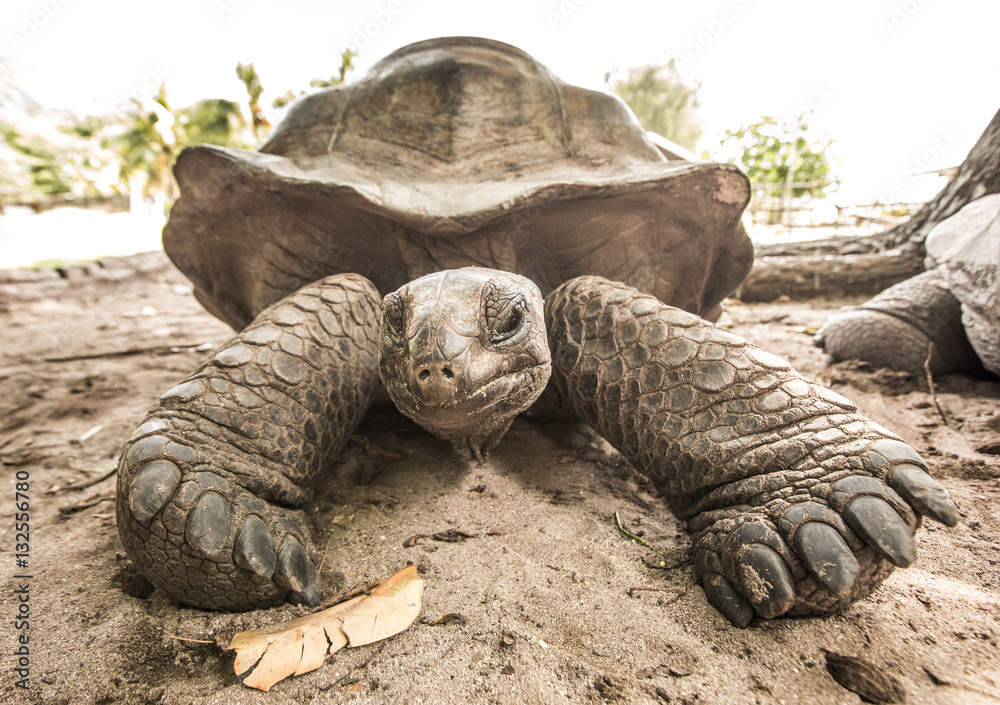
[{"x": 454, "y": 152}]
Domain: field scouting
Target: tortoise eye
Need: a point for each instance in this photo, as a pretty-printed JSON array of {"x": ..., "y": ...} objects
[
  {"x": 505, "y": 310},
  {"x": 508, "y": 324}
]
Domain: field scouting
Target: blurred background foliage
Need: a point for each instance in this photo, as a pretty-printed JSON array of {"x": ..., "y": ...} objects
[
  {"x": 133, "y": 150},
  {"x": 662, "y": 101},
  {"x": 784, "y": 154}
]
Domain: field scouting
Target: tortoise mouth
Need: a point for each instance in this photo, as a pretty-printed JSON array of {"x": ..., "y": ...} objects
[{"x": 492, "y": 404}]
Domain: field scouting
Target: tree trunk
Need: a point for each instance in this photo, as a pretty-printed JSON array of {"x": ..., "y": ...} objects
[
  {"x": 831, "y": 275},
  {"x": 978, "y": 176},
  {"x": 864, "y": 266}
]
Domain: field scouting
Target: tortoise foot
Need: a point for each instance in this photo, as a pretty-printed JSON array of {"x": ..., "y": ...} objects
[
  {"x": 210, "y": 543},
  {"x": 808, "y": 548},
  {"x": 208, "y": 482}
]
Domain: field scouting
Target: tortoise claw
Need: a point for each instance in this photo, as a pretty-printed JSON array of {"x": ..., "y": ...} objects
[
  {"x": 924, "y": 494},
  {"x": 827, "y": 556},
  {"x": 767, "y": 581},
  {"x": 882, "y": 528},
  {"x": 723, "y": 597},
  {"x": 254, "y": 549},
  {"x": 296, "y": 572},
  {"x": 209, "y": 523},
  {"x": 151, "y": 488}
]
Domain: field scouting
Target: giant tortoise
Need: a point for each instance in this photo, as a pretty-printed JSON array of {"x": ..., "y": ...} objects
[
  {"x": 526, "y": 237},
  {"x": 946, "y": 319}
]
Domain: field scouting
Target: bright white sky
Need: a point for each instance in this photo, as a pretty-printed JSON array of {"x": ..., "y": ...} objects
[{"x": 903, "y": 85}]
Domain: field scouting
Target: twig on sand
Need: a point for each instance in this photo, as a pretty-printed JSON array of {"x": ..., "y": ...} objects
[
  {"x": 621, "y": 528},
  {"x": 90, "y": 434},
  {"x": 320, "y": 569},
  {"x": 194, "y": 641},
  {"x": 930, "y": 383},
  {"x": 678, "y": 594},
  {"x": 151, "y": 350},
  {"x": 67, "y": 511},
  {"x": 87, "y": 482}
]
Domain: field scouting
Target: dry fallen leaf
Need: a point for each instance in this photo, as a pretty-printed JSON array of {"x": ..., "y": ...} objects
[{"x": 302, "y": 645}]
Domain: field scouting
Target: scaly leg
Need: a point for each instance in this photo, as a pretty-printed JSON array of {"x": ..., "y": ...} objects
[
  {"x": 915, "y": 322},
  {"x": 207, "y": 482},
  {"x": 798, "y": 504}
]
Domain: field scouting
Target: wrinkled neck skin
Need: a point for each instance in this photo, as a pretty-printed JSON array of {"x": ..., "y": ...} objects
[{"x": 464, "y": 351}]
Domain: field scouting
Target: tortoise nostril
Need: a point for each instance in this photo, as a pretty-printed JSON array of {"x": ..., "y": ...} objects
[{"x": 433, "y": 376}]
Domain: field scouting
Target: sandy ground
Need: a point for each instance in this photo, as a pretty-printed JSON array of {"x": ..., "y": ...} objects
[{"x": 546, "y": 566}]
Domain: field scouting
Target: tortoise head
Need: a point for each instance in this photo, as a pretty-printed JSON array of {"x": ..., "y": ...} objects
[{"x": 464, "y": 351}]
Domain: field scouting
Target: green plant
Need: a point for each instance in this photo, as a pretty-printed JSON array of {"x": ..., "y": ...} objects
[
  {"x": 769, "y": 152},
  {"x": 346, "y": 66},
  {"x": 248, "y": 75},
  {"x": 45, "y": 170},
  {"x": 663, "y": 102},
  {"x": 148, "y": 137}
]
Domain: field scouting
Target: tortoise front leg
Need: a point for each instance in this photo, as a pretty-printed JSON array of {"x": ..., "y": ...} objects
[
  {"x": 207, "y": 482},
  {"x": 798, "y": 504}
]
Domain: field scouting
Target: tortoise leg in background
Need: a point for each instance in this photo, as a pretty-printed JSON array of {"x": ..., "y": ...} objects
[
  {"x": 207, "y": 482},
  {"x": 798, "y": 504},
  {"x": 896, "y": 328}
]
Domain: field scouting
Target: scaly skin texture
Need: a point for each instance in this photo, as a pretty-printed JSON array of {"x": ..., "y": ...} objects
[
  {"x": 896, "y": 329},
  {"x": 798, "y": 504},
  {"x": 206, "y": 483}
]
